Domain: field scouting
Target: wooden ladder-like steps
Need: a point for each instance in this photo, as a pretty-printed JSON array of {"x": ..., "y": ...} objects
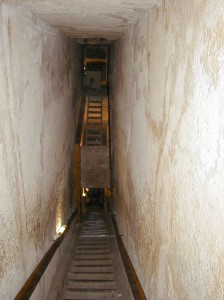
[
  {"x": 94, "y": 121},
  {"x": 91, "y": 273}
]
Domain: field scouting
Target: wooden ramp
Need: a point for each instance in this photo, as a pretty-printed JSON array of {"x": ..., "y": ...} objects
[
  {"x": 94, "y": 121},
  {"x": 96, "y": 271}
]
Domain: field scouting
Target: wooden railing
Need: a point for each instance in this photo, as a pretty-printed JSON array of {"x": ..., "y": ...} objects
[
  {"x": 78, "y": 138},
  {"x": 31, "y": 283}
]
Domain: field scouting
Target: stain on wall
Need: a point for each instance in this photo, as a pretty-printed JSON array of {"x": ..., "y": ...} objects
[
  {"x": 37, "y": 129},
  {"x": 168, "y": 140}
]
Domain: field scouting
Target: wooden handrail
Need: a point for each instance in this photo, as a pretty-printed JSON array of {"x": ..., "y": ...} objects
[
  {"x": 31, "y": 283},
  {"x": 81, "y": 116},
  {"x": 78, "y": 140}
]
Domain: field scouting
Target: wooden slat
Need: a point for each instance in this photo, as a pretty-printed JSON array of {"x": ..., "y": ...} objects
[{"x": 94, "y": 116}]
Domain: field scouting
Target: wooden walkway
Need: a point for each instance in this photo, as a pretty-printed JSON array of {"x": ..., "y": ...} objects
[{"x": 96, "y": 271}]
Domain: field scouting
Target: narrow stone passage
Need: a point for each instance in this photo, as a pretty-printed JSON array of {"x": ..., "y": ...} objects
[{"x": 96, "y": 270}]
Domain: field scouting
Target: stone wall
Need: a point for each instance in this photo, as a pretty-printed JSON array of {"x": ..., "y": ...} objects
[
  {"x": 168, "y": 144},
  {"x": 95, "y": 167},
  {"x": 37, "y": 129}
]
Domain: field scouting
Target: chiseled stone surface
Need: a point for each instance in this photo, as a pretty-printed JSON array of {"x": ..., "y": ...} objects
[
  {"x": 37, "y": 127},
  {"x": 95, "y": 167},
  {"x": 97, "y": 19},
  {"x": 168, "y": 143},
  {"x": 168, "y": 125}
]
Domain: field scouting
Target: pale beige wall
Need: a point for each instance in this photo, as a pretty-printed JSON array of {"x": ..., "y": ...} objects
[
  {"x": 168, "y": 139},
  {"x": 37, "y": 124}
]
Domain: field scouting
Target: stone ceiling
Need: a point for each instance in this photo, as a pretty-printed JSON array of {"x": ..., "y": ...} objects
[{"x": 90, "y": 18}]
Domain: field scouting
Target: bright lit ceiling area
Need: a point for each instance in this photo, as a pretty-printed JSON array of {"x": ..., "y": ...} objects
[{"x": 107, "y": 19}]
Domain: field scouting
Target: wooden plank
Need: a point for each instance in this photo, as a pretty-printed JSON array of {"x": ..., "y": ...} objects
[
  {"x": 94, "y": 285},
  {"x": 96, "y": 262},
  {"x": 81, "y": 118},
  {"x": 93, "y": 295},
  {"x": 91, "y": 276},
  {"x": 91, "y": 269}
]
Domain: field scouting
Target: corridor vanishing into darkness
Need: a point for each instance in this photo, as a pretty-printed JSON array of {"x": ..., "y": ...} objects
[{"x": 142, "y": 121}]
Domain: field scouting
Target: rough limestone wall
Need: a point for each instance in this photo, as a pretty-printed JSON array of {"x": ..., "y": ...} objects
[
  {"x": 36, "y": 138},
  {"x": 168, "y": 139}
]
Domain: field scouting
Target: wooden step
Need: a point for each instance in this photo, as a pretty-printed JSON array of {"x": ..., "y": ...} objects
[
  {"x": 91, "y": 276},
  {"x": 92, "y": 295},
  {"x": 91, "y": 285}
]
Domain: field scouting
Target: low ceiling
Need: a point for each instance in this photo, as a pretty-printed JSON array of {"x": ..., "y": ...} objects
[{"x": 90, "y": 18}]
